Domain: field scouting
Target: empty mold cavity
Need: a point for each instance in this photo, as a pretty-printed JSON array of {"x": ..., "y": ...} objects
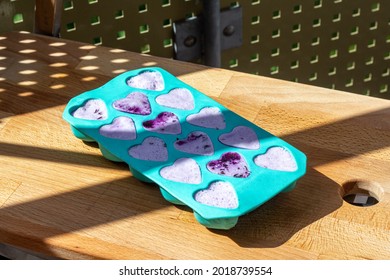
[{"x": 362, "y": 193}]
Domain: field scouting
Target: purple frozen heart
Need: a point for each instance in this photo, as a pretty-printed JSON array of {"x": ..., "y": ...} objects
[
  {"x": 135, "y": 103},
  {"x": 209, "y": 117},
  {"x": 183, "y": 170},
  {"x": 197, "y": 142},
  {"x": 241, "y": 137},
  {"x": 178, "y": 98},
  {"x": 230, "y": 164},
  {"x": 277, "y": 158},
  {"x": 151, "y": 80},
  {"x": 93, "y": 109},
  {"x": 152, "y": 148},
  {"x": 121, "y": 128},
  {"x": 218, "y": 194},
  {"x": 165, "y": 122}
]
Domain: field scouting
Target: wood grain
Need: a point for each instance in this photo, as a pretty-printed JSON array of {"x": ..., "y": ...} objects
[{"x": 59, "y": 196}]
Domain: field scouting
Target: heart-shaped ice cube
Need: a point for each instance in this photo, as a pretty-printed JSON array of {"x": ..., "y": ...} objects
[
  {"x": 135, "y": 103},
  {"x": 197, "y": 142},
  {"x": 277, "y": 158},
  {"x": 151, "y": 80},
  {"x": 218, "y": 194},
  {"x": 209, "y": 117},
  {"x": 183, "y": 170},
  {"x": 121, "y": 128},
  {"x": 241, "y": 137},
  {"x": 178, "y": 98},
  {"x": 230, "y": 164},
  {"x": 165, "y": 122},
  {"x": 152, "y": 148},
  {"x": 93, "y": 109}
]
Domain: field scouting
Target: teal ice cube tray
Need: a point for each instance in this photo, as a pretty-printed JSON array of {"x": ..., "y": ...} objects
[{"x": 198, "y": 152}]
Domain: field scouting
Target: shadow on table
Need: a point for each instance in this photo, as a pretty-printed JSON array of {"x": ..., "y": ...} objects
[{"x": 287, "y": 213}]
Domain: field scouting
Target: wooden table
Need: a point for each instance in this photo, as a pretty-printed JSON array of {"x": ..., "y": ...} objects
[{"x": 60, "y": 198}]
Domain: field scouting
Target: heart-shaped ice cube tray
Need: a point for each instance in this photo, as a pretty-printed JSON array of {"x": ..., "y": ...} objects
[{"x": 197, "y": 151}]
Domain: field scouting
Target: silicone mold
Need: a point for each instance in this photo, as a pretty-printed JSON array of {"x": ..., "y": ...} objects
[{"x": 198, "y": 152}]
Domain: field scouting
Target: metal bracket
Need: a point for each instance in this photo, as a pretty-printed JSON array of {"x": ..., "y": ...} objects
[{"x": 189, "y": 34}]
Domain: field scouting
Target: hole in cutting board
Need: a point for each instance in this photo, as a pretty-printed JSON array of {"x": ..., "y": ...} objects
[{"x": 362, "y": 193}]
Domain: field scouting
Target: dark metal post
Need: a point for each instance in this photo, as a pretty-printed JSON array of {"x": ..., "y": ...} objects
[{"x": 212, "y": 36}]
